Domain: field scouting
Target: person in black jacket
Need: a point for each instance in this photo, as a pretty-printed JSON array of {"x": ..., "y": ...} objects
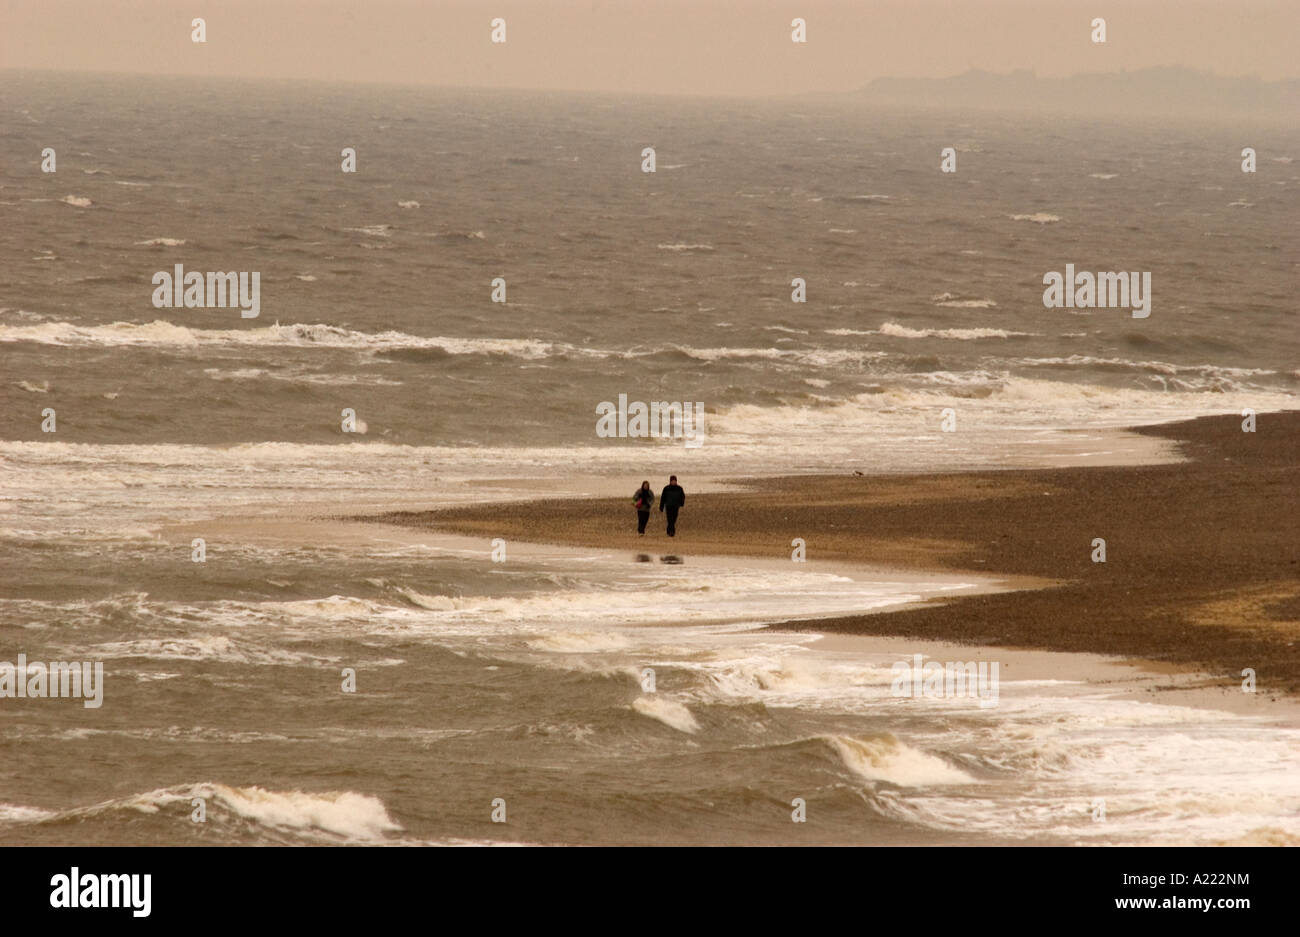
[
  {"x": 643, "y": 500},
  {"x": 671, "y": 500}
]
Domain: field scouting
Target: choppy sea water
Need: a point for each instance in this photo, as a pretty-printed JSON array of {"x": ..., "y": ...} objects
[{"x": 522, "y": 680}]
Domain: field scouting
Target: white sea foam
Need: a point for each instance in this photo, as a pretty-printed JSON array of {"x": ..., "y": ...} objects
[
  {"x": 215, "y": 647},
  {"x": 169, "y": 334},
  {"x": 798, "y": 357},
  {"x": 435, "y": 603},
  {"x": 345, "y": 814},
  {"x": 328, "y": 816},
  {"x": 1003, "y": 406},
  {"x": 885, "y": 758},
  {"x": 958, "y": 302},
  {"x": 1040, "y": 217},
  {"x": 901, "y": 331},
  {"x": 17, "y": 813},
  {"x": 373, "y": 230},
  {"x": 334, "y": 606},
  {"x": 580, "y": 642},
  {"x": 1185, "y": 378},
  {"x": 162, "y": 242},
  {"x": 552, "y": 618},
  {"x": 77, "y": 201},
  {"x": 783, "y": 678},
  {"x": 165, "y": 334},
  {"x": 299, "y": 377},
  {"x": 670, "y": 712}
]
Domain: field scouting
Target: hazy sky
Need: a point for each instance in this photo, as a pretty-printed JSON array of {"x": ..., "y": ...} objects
[{"x": 666, "y": 46}]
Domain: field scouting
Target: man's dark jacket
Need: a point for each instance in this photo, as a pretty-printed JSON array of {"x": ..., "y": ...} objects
[{"x": 671, "y": 497}]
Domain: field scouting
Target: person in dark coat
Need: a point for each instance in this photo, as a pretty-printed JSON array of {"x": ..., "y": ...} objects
[
  {"x": 671, "y": 500},
  {"x": 643, "y": 501}
]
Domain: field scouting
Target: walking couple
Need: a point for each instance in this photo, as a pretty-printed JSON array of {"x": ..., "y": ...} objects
[{"x": 671, "y": 500}]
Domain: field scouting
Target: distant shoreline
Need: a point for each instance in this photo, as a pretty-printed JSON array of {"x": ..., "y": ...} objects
[{"x": 1201, "y": 565}]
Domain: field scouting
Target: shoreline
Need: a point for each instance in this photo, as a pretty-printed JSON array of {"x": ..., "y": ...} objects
[{"x": 1201, "y": 573}]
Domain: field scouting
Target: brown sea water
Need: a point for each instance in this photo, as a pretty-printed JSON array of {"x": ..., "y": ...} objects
[{"x": 523, "y": 679}]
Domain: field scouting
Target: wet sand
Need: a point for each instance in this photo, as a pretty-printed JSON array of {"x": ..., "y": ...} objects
[{"x": 1202, "y": 569}]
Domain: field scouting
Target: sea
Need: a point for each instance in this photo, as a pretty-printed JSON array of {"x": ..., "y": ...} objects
[{"x": 569, "y": 696}]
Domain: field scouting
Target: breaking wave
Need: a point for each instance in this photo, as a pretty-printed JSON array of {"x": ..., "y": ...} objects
[
  {"x": 902, "y": 331},
  {"x": 322, "y": 816},
  {"x": 670, "y": 712},
  {"x": 885, "y": 758}
]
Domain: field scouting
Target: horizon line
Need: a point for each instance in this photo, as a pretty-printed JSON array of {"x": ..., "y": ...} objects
[{"x": 388, "y": 83}]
